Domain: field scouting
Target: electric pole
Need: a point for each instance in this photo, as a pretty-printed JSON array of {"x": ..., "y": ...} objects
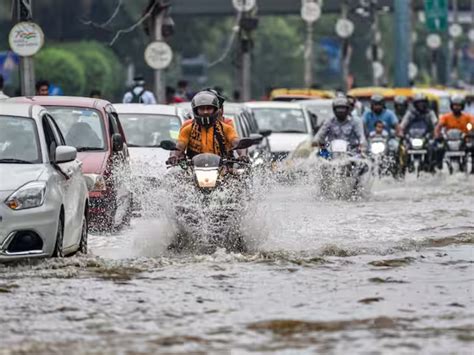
[
  {"x": 248, "y": 24},
  {"x": 403, "y": 47}
]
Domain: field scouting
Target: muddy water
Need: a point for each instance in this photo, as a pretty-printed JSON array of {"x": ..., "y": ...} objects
[{"x": 392, "y": 274}]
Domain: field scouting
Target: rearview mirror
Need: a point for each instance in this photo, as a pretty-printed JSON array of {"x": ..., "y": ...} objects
[
  {"x": 265, "y": 132},
  {"x": 65, "y": 154},
  {"x": 257, "y": 138},
  {"x": 168, "y": 145},
  {"x": 117, "y": 142},
  {"x": 244, "y": 143}
]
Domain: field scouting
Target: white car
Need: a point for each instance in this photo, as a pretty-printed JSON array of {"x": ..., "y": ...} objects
[
  {"x": 145, "y": 127},
  {"x": 289, "y": 123},
  {"x": 43, "y": 194}
]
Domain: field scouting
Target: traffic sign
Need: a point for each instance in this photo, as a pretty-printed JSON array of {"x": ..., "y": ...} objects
[
  {"x": 370, "y": 51},
  {"x": 344, "y": 28},
  {"x": 311, "y": 12},
  {"x": 455, "y": 30},
  {"x": 433, "y": 41},
  {"x": 244, "y": 5},
  {"x": 378, "y": 69},
  {"x": 412, "y": 70},
  {"x": 436, "y": 12},
  {"x": 158, "y": 55},
  {"x": 470, "y": 35},
  {"x": 26, "y": 39}
]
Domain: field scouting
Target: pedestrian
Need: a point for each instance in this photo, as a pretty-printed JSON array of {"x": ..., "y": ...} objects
[
  {"x": 95, "y": 94},
  {"x": 2, "y": 94},
  {"x": 183, "y": 91},
  {"x": 138, "y": 93},
  {"x": 171, "y": 97},
  {"x": 42, "y": 88}
]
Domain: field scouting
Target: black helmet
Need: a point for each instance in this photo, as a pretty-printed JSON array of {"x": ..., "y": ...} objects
[
  {"x": 341, "y": 108},
  {"x": 205, "y": 98},
  {"x": 419, "y": 98},
  {"x": 457, "y": 100}
]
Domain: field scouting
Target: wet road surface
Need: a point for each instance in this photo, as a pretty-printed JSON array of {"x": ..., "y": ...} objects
[{"x": 390, "y": 274}]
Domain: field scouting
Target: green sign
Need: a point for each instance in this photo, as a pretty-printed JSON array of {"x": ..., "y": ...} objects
[{"x": 436, "y": 13}]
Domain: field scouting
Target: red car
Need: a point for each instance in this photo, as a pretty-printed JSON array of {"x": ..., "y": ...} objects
[{"x": 93, "y": 127}]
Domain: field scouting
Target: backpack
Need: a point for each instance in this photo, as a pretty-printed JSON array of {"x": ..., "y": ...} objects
[{"x": 137, "y": 98}]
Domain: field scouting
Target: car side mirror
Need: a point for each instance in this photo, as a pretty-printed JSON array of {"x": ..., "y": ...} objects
[
  {"x": 168, "y": 145},
  {"x": 117, "y": 142},
  {"x": 257, "y": 138},
  {"x": 65, "y": 154},
  {"x": 265, "y": 132},
  {"x": 244, "y": 143}
]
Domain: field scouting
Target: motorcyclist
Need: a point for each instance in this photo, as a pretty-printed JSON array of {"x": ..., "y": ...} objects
[
  {"x": 420, "y": 117},
  {"x": 221, "y": 109},
  {"x": 206, "y": 133},
  {"x": 400, "y": 104},
  {"x": 342, "y": 126},
  {"x": 456, "y": 119},
  {"x": 379, "y": 112}
]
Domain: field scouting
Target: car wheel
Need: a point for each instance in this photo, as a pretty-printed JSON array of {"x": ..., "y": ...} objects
[
  {"x": 84, "y": 236},
  {"x": 58, "y": 247}
]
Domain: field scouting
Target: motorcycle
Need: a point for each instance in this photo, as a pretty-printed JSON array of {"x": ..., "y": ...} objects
[
  {"x": 343, "y": 171},
  {"x": 213, "y": 192},
  {"x": 455, "y": 150},
  {"x": 416, "y": 145},
  {"x": 383, "y": 152}
]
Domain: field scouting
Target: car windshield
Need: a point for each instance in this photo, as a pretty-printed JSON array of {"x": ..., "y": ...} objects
[
  {"x": 82, "y": 128},
  {"x": 19, "y": 141},
  {"x": 142, "y": 130},
  {"x": 324, "y": 113},
  {"x": 281, "y": 120}
]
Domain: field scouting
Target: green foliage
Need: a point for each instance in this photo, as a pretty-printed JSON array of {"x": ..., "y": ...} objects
[
  {"x": 79, "y": 67},
  {"x": 103, "y": 69},
  {"x": 61, "y": 68}
]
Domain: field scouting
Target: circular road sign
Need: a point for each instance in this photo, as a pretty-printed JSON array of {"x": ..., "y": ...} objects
[
  {"x": 455, "y": 30},
  {"x": 378, "y": 69},
  {"x": 344, "y": 28},
  {"x": 158, "y": 55},
  {"x": 311, "y": 12},
  {"x": 412, "y": 70},
  {"x": 244, "y": 5},
  {"x": 26, "y": 39},
  {"x": 368, "y": 53},
  {"x": 433, "y": 41}
]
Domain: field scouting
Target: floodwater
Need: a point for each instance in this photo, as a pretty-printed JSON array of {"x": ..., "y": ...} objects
[{"x": 389, "y": 274}]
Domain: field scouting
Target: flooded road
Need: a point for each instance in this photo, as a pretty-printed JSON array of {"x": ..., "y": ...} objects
[{"x": 390, "y": 274}]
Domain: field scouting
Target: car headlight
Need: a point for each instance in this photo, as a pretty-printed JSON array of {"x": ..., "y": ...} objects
[
  {"x": 417, "y": 143},
  {"x": 30, "y": 195},
  {"x": 95, "y": 182}
]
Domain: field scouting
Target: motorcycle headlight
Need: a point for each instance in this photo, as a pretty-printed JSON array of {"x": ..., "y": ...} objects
[
  {"x": 95, "y": 182},
  {"x": 417, "y": 143},
  {"x": 377, "y": 147},
  {"x": 30, "y": 195}
]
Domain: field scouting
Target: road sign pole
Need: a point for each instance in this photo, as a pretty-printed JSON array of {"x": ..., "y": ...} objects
[
  {"x": 27, "y": 65},
  {"x": 308, "y": 55},
  {"x": 402, "y": 42},
  {"x": 159, "y": 77}
]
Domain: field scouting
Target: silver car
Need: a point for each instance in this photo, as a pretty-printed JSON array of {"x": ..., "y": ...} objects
[{"x": 43, "y": 194}]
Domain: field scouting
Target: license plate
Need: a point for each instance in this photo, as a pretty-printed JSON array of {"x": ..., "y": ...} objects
[
  {"x": 455, "y": 154},
  {"x": 415, "y": 152}
]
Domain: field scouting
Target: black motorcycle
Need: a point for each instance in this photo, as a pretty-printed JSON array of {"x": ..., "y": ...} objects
[{"x": 455, "y": 150}]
